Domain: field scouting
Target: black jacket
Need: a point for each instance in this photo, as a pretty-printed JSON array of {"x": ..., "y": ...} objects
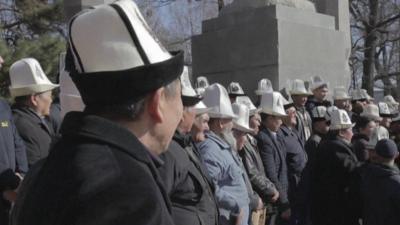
[
  {"x": 296, "y": 159},
  {"x": 187, "y": 184},
  {"x": 35, "y": 132},
  {"x": 273, "y": 156},
  {"x": 312, "y": 103},
  {"x": 255, "y": 170},
  {"x": 12, "y": 150},
  {"x": 360, "y": 142},
  {"x": 332, "y": 176},
  {"x": 98, "y": 173},
  {"x": 380, "y": 194}
]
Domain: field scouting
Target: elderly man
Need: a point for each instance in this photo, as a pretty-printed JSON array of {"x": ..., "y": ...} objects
[
  {"x": 299, "y": 94},
  {"x": 319, "y": 90},
  {"x": 296, "y": 159},
  {"x": 273, "y": 153},
  {"x": 250, "y": 155},
  {"x": 334, "y": 169},
  {"x": 380, "y": 186},
  {"x": 186, "y": 181},
  {"x": 103, "y": 169},
  {"x": 31, "y": 90},
  {"x": 222, "y": 161}
]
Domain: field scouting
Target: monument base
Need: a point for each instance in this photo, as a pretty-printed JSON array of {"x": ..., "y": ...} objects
[{"x": 274, "y": 42}]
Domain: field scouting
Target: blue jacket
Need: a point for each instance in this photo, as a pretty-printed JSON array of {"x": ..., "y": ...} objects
[
  {"x": 12, "y": 150},
  {"x": 273, "y": 156},
  {"x": 224, "y": 168}
]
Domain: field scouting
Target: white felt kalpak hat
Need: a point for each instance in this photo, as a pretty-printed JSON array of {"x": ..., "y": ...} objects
[
  {"x": 371, "y": 111},
  {"x": 384, "y": 110},
  {"x": 297, "y": 87},
  {"x": 360, "y": 94},
  {"x": 216, "y": 97},
  {"x": 340, "y": 93},
  {"x": 340, "y": 120},
  {"x": 201, "y": 108},
  {"x": 272, "y": 104},
  {"x": 189, "y": 95},
  {"x": 234, "y": 89},
  {"x": 318, "y": 113},
  {"x": 264, "y": 86},
  {"x": 27, "y": 77},
  {"x": 393, "y": 105},
  {"x": 245, "y": 100},
  {"x": 328, "y": 113},
  {"x": 241, "y": 122},
  {"x": 70, "y": 98},
  {"x": 114, "y": 57},
  {"x": 317, "y": 82},
  {"x": 201, "y": 84}
]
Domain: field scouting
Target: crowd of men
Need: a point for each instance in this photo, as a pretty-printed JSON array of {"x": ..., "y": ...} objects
[{"x": 148, "y": 148}]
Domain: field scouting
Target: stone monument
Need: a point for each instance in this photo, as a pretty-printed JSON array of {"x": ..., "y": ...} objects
[
  {"x": 72, "y": 7},
  {"x": 274, "y": 39}
]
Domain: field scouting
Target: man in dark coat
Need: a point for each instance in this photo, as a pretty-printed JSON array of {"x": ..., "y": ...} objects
[
  {"x": 335, "y": 164},
  {"x": 296, "y": 159},
  {"x": 186, "y": 181},
  {"x": 365, "y": 128},
  {"x": 320, "y": 90},
  {"x": 32, "y": 92},
  {"x": 273, "y": 153},
  {"x": 103, "y": 170},
  {"x": 13, "y": 161},
  {"x": 380, "y": 186},
  {"x": 254, "y": 167}
]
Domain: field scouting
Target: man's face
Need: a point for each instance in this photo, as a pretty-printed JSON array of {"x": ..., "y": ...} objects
[
  {"x": 172, "y": 109},
  {"x": 189, "y": 114},
  {"x": 42, "y": 103},
  {"x": 200, "y": 126},
  {"x": 342, "y": 104},
  {"x": 321, "y": 126},
  {"x": 291, "y": 117},
  {"x": 299, "y": 100},
  {"x": 347, "y": 134},
  {"x": 320, "y": 93},
  {"x": 369, "y": 129},
  {"x": 254, "y": 123},
  {"x": 1, "y": 62},
  {"x": 240, "y": 139},
  {"x": 386, "y": 122},
  {"x": 273, "y": 123}
]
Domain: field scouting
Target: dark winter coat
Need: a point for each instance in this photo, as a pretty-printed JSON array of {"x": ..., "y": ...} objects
[
  {"x": 12, "y": 150},
  {"x": 332, "y": 176},
  {"x": 360, "y": 142},
  {"x": 273, "y": 156},
  {"x": 98, "y": 173},
  {"x": 296, "y": 159},
  {"x": 312, "y": 103},
  {"x": 12, "y": 157},
  {"x": 187, "y": 184},
  {"x": 35, "y": 132},
  {"x": 380, "y": 194},
  {"x": 255, "y": 170}
]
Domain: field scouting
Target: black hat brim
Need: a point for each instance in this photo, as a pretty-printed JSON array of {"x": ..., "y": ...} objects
[{"x": 190, "y": 101}]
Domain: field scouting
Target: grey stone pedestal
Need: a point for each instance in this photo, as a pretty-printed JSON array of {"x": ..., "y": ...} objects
[{"x": 275, "y": 42}]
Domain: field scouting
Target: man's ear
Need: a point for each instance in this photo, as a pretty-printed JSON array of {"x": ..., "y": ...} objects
[
  {"x": 154, "y": 106},
  {"x": 33, "y": 100}
]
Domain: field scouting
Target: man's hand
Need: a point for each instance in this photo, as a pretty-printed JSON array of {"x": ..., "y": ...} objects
[
  {"x": 10, "y": 195},
  {"x": 239, "y": 217},
  {"x": 286, "y": 214},
  {"x": 275, "y": 196},
  {"x": 260, "y": 204}
]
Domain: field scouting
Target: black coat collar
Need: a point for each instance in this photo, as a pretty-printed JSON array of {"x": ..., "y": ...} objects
[{"x": 80, "y": 124}]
